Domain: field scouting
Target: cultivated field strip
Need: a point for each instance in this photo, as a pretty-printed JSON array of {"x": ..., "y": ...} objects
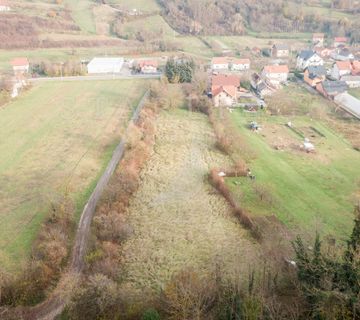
[{"x": 179, "y": 221}]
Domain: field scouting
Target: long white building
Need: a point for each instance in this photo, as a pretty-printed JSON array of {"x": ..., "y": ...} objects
[{"x": 105, "y": 65}]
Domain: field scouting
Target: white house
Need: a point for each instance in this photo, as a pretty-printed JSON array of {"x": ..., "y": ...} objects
[
  {"x": 220, "y": 63},
  {"x": 307, "y": 58},
  {"x": 148, "y": 66},
  {"x": 240, "y": 64},
  {"x": 105, "y": 65},
  {"x": 280, "y": 50},
  {"x": 276, "y": 74},
  {"x": 4, "y": 6},
  {"x": 341, "y": 68},
  {"x": 20, "y": 65},
  {"x": 351, "y": 81},
  {"x": 224, "y": 96}
]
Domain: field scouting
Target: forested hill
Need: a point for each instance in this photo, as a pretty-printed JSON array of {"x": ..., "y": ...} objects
[{"x": 340, "y": 17}]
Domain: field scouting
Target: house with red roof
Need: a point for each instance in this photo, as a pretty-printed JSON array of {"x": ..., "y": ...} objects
[
  {"x": 20, "y": 65},
  {"x": 148, "y": 66},
  {"x": 4, "y": 6},
  {"x": 340, "y": 41},
  {"x": 224, "y": 89},
  {"x": 341, "y": 68},
  {"x": 275, "y": 74}
]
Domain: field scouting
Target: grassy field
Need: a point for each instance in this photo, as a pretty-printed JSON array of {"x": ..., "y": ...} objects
[
  {"x": 178, "y": 219},
  {"x": 355, "y": 92},
  {"x": 54, "y": 138},
  {"x": 308, "y": 192},
  {"x": 140, "y": 5},
  {"x": 82, "y": 13}
]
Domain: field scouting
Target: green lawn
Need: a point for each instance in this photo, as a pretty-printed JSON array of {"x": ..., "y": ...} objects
[
  {"x": 308, "y": 192},
  {"x": 355, "y": 92},
  {"x": 154, "y": 23},
  {"x": 81, "y": 12},
  {"x": 55, "y": 137},
  {"x": 140, "y": 5}
]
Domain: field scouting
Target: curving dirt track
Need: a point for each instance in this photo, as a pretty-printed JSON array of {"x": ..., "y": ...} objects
[
  {"x": 55, "y": 304},
  {"x": 178, "y": 219}
]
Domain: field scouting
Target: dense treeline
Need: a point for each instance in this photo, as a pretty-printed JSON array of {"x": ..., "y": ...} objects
[{"x": 236, "y": 17}]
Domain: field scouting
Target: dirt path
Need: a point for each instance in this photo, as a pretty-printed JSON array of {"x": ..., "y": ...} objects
[
  {"x": 178, "y": 219},
  {"x": 57, "y": 301}
]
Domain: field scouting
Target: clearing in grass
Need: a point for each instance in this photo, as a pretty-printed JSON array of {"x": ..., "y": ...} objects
[
  {"x": 307, "y": 191},
  {"x": 57, "y": 137}
]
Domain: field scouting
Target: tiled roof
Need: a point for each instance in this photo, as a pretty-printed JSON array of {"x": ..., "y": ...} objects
[
  {"x": 241, "y": 61},
  {"x": 306, "y": 54},
  {"x": 340, "y": 39},
  {"x": 18, "y": 62},
  {"x": 276, "y": 69},
  {"x": 220, "y": 60},
  {"x": 334, "y": 86},
  {"x": 316, "y": 71},
  {"x": 147, "y": 63},
  {"x": 225, "y": 80},
  {"x": 281, "y": 46},
  {"x": 343, "y": 65}
]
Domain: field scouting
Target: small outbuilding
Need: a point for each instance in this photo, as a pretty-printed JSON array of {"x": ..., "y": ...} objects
[
  {"x": 105, "y": 65},
  {"x": 20, "y": 65}
]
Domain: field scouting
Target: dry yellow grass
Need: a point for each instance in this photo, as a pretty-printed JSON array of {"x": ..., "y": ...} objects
[{"x": 179, "y": 221}]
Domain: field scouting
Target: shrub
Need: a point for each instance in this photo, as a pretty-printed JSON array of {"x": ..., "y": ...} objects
[{"x": 151, "y": 314}]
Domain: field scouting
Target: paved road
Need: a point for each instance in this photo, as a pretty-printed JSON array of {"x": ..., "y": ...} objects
[
  {"x": 98, "y": 77},
  {"x": 56, "y": 303}
]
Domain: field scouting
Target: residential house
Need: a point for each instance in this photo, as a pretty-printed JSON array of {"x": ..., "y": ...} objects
[
  {"x": 280, "y": 51},
  {"x": 318, "y": 39},
  {"x": 260, "y": 85},
  {"x": 276, "y": 74},
  {"x": 239, "y": 64},
  {"x": 330, "y": 89},
  {"x": 148, "y": 66},
  {"x": 314, "y": 75},
  {"x": 340, "y": 42},
  {"x": 20, "y": 65},
  {"x": 4, "y": 6},
  {"x": 323, "y": 52},
  {"x": 341, "y": 68},
  {"x": 351, "y": 81},
  {"x": 307, "y": 58},
  {"x": 220, "y": 63},
  {"x": 342, "y": 54},
  {"x": 224, "y": 89}
]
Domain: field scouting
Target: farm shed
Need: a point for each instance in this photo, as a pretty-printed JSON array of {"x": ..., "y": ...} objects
[
  {"x": 105, "y": 65},
  {"x": 349, "y": 103}
]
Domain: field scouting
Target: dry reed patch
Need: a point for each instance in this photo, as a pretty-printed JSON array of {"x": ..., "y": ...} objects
[{"x": 177, "y": 218}]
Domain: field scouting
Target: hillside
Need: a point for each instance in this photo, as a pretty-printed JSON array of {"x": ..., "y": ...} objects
[{"x": 240, "y": 17}]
